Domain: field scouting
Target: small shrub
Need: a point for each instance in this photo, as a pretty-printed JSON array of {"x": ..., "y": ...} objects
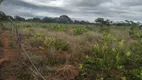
[
  {"x": 58, "y": 44},
  {"x": 79, "y": 31},
  {"x": 60, "y": 28},
  {"x": 135, "y": 32},
  {"x": 111, "y": 61},
  {"x": 105, "y": 30},
  {"x": 37, "y": 39}
]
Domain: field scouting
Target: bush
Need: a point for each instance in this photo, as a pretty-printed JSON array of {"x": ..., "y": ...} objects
[
  {"x": 59, "y": 28},
  {"x": 58, "y": 44},
  {"x": 111, "y": 60},
  {"x": 37, "y": 40},
  {"x": 79, "y": 31},
  {"x": 135, "y": 32},
  {"x": 105, "y": 29}
]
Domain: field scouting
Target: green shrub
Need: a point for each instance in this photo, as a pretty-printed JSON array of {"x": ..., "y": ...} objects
[
  {"x": 60, "y": 28},
  {"x": 58, "y": 44},
  {"x": 37, "y": 39},
  {"x": 79, "y": 31},
  {"x": 105, "y": 29},
  {"x": 111, "y": 56},
  {"x": 135, "y": 32}
]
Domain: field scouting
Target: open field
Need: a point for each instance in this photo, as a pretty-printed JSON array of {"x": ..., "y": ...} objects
[{"x": 72, "y": 52}]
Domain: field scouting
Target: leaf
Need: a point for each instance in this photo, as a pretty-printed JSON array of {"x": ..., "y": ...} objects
[{"x": 128, "y": 54}]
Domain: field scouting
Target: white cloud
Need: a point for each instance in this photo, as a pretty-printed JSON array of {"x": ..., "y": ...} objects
[{"x": 79, "y": 9}]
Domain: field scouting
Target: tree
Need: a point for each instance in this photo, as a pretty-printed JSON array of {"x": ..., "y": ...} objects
[
  {"x": 107, "y": 22},
  {"x": 2, "y": 16},
  {"x": 100, "y": 21},
  {"x": 10, "y": 17},
  {"x": 64, "y": 19},
  {"x": 36, "y": 19},
  {"x": 48, "y": 19},
  {"x": 18, "y": 18}
]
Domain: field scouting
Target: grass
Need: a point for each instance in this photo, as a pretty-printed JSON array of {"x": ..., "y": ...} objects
[{"x": 108, "y": 53}]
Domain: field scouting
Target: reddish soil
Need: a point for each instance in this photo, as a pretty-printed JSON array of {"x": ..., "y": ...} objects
[{"x": 9, "y": 56}]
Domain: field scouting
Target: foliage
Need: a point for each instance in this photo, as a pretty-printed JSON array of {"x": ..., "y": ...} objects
[
  {"x": 60, "y": 28},
  {"x": 105, "y": 30},
  {"x": 111, "y": 60},
  {"x": 58, "y": 44},
  {"x": 37, "y": 39},
  {"x": 79, "y": 31},
  {"x": 102, "y": 21},
  {"x": 135, "y": 32}
]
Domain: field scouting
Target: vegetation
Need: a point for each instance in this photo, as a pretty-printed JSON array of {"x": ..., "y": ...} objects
[{"x": 63, "y": 49}]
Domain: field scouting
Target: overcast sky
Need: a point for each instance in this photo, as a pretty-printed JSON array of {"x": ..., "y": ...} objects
[{"x": 77, "y": 9}]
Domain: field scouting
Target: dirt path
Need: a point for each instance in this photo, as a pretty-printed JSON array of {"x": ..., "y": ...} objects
[{"x": 11, "y": 55}]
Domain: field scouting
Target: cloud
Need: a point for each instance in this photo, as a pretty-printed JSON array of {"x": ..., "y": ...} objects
[{"x": 78, "y": 9}]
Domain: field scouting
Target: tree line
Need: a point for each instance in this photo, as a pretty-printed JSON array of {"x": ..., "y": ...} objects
[{"x": 65, "y": 19}]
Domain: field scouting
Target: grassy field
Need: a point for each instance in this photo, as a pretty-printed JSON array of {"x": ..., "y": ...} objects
[{"x": 78, "y": 52}]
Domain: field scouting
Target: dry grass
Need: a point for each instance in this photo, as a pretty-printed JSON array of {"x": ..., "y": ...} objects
[
  {"x": 67, "y": 72},
  {"x": 79, "y": 46}
]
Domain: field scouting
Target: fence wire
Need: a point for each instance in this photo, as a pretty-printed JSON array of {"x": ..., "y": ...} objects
[{"x": 18, "y": 33}]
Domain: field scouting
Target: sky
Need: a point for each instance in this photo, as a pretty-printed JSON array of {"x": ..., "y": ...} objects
[{"x": 88, "y": 10}]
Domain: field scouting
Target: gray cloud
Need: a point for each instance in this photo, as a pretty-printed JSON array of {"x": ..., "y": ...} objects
[{"x": 79, "y": 9}]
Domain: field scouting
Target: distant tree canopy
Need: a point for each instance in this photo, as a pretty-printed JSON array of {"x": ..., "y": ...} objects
[
  {"x": 65, "y": 19},
  {"x": 3, "y": 16},
  {"x": 48, "y": 19},
  {"x": 102, "y": 21},
  {"x": 61, "y": 19},
  {"x": 18, "y": 18},
  {"x": 36, "y": 19},
  {"x": 81, "y": 22}
]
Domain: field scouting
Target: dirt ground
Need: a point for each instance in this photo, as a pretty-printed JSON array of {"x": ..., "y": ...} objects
[{"x": 8, "y": 57}]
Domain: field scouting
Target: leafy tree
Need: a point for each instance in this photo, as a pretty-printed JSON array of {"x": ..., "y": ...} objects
[
  {"x": 36, "y": 19},
  {"x": 18, "y": 18},
  {"x": 2, "y": 16},
  {"x": 107, "y": 22},
  {"x": 10, "y": 17},
  {"x": 48, "y": 19},
  {"x": 100, "y": 21},
  {"x": 64, "y": 19}
]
